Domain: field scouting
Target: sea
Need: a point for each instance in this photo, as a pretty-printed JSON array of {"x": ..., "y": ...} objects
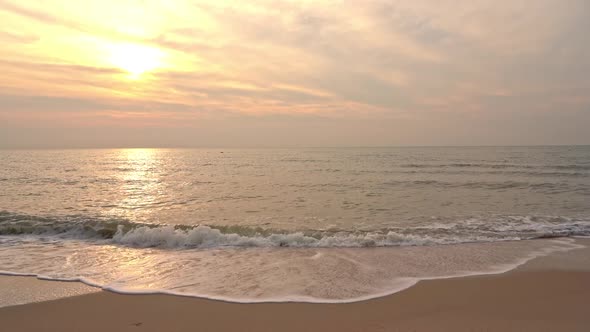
[{"x": 325, "y": 225}]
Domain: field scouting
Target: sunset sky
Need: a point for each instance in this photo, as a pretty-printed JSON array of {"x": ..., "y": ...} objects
[{"x": 294, "y": 73}]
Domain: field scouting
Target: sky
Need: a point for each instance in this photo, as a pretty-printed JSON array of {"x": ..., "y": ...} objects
[{"x": 209, "y": 73}]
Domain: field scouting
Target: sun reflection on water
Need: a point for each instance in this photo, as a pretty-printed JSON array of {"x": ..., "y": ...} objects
[{"x": 141, "y": 187}]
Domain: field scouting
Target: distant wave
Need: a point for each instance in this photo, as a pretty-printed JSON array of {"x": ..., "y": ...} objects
[
  {"x": 573, "y": 167},
  {"x": 545, "y": 187},
  {"x": 128, "y": 233},
  {"x": 540, "y": 173}
]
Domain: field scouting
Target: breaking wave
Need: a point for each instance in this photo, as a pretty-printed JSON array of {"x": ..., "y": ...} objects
[{"x": 133, "y": 234}]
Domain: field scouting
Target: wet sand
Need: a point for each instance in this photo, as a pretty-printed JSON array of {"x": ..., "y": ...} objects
[
  {"x": 522, "y": 300},
  {"x": 23, "y": 290}
]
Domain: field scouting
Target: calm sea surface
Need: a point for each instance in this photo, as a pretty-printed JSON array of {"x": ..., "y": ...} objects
[{"x": 286, "y": 224}]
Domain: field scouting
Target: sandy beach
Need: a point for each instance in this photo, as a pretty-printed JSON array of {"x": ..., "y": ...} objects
[{"x": 546, "y": 294}]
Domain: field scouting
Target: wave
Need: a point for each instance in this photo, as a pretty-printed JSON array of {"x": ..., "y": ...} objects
[
  {"x": 544, "y": 187},
  {"x": 492, "y": 172},
  {"x": 134, "y": 234},
  {"x": 572, "y": 167}
]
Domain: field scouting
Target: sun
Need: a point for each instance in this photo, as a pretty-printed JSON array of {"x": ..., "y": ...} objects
[{"x": 135, "y": 59}]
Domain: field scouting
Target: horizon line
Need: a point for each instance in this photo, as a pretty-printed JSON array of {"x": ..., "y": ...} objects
[{"x": 290, "y": 147}]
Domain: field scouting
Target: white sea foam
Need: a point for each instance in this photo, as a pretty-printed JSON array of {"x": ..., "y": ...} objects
[
  {"x": 323, "y": 275},
  {"x": 207, "y": 237},
  {"x": 471, "y": 230}
]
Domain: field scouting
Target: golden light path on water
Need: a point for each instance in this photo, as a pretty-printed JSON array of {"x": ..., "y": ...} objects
[{"x": 140, "y": 185}]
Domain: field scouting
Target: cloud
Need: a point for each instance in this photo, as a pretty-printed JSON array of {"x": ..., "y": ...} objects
[
  {"x": 72, "y": 69},
  {"x": 39, "y": 15},
  {"x": 12, "y": 37},
  {"x": 454, "y": 61}
]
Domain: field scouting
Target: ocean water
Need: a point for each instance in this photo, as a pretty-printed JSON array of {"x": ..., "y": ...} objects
[{"x": 317, "y": 225}]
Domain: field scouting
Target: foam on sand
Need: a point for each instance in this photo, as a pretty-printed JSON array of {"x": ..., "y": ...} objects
[
  {"x": 322, "y": 275},
  {"x": 17, "y": 290}
]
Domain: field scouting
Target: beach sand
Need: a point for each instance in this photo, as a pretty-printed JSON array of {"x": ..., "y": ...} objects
[
  {"x": 23, "y": 290},
  {"x": 547, "y": 294}
]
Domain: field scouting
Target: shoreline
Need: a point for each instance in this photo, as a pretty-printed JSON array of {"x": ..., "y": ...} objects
[
  {"x": 80, "y": 286},
  {"x": 61, "y": 288},
  {"x": 546, "y": 300},
  {"x": 544, "y": 294}
]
